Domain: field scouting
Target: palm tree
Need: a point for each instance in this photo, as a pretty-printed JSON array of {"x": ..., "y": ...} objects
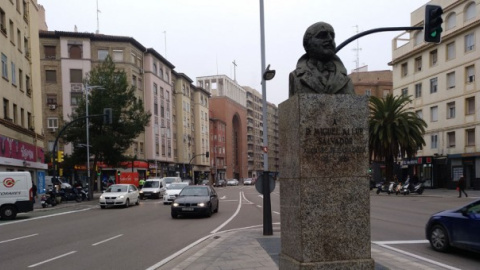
[{"x": 394, "y": 131}]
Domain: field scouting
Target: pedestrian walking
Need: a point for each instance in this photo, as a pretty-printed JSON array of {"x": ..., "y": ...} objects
[
  {"x": 34, "y": 191},
  {"x": 461, "y": 187}
]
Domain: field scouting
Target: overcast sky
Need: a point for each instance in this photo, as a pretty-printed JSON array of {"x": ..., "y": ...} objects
[{"x": 204, "y": 37}]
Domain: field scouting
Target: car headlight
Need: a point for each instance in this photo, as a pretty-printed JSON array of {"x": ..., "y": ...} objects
[
  {"x": 102, "y": 198},
  {"x": 141, "y": 192},
  {"x": 175, "y": 204},
  {"x": 156, "y": 191},
  {"x": 201, "y": 204},
  {"x": 121, "y": 196}
]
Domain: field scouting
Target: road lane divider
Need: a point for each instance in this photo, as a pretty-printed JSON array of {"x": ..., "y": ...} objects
[
  {"x": 106, "y": 240},
  {"x": 232, "y": 217},
  {"x": 47, "y": 216},
  {"x": 18, "y": 238},
  {"x": 52, "y": 259}
]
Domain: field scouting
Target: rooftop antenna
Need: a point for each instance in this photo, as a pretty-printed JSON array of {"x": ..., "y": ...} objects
[
  {"x": 357, "y": 54},
  {"x": 98, "y": 21},
  {"x": 234, "y": 70}
]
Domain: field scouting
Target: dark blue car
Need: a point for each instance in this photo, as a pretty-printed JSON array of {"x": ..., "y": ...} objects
[{"x": 459, "y": 228}]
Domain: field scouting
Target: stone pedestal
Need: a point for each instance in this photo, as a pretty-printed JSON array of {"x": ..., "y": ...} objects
[{"x": 324, "y": 199}]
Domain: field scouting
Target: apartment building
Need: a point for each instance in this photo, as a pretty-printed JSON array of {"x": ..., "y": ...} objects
[
  {"x": 192, "y": 128},
  {"x": 273, "y": 140},
  {"x": 159, "y": 100},
  {"x": 372, "y": 83},
  {"x": 228, "y": 104},
  {"x": 218, "y": 163},
  {"x": 21, "y": 125},
  {"x": 441, "y": 79},
  {"x": 254, "y": 132}
]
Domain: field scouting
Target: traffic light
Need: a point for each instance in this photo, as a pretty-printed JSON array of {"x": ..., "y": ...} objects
[
  {"x": 107, "y": 116},
  {"x": 207, "y": 154},
  {"x": 433, "y": 23},
  {"x": 60, "y": 156},
  {"x": 118, "y": 173}
]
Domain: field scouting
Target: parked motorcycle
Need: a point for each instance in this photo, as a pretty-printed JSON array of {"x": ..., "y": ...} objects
[
  {"x": 48, "y": 199},
  {"x": 70, "y": 195},
  {"x": 413, "y": 188},
  {"x": 394, "y": 188},
  {"x": 382, "y": 187}
]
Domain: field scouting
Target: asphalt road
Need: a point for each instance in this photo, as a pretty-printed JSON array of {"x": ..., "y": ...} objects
[{"x": 83, "y": 236}]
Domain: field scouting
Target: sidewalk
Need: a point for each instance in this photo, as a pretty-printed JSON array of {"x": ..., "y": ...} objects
[{"x": 249, "y": 249}]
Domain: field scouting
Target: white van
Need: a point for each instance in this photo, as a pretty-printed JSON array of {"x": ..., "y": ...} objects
[
  {"x": 155, "y": 187},
  {"x": 16, "y": 194},
  {"x": 60, "y": 182}
]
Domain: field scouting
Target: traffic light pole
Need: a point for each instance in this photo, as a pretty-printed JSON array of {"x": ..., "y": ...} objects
[
  {"x": 376, "y": 30},
  {"x": 55, "y": 151}
]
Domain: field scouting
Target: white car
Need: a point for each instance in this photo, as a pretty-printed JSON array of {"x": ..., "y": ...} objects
[
  {"x": 232, "y": 182},
  {"x": 172, "y": 192},
  {"x": 119, "y": 194}
]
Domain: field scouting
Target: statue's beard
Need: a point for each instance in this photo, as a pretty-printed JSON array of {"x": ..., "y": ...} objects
[{"x": 322, "y": 53}]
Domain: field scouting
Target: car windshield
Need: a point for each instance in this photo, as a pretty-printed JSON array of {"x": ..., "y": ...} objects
[
  {"x": 117, "y": 188},
  {"x": 176, "y": 186},
  {"x": 169, "y": 180},
  {"x": 151, "y": 184},
  {"x": 194, "y": 191}
]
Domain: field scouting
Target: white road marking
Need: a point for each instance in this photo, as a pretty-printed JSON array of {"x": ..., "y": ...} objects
[
  {"x": 243, "y": 195},
  {"x": 49, "y": 260},
  {"x": 400, "y": 242},
  {"x": 380, "y": 243},
  {"x": 233, "y": 216},
  {"x": 106, "y": 240},
  {"x": 259, "y": 206},
  {"x": 275, "y": 212},
  {"x": 18, "y": 238},
  {"x": 223, "y": 198},
  {"x": 53, "y": 215}
]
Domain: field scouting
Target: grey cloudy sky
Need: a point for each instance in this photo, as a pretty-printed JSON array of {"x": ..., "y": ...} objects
[{"x": 204, "y": 37}]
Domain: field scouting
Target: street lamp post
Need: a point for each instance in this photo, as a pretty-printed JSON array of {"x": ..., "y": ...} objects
[
  {"x": 267, "y": 74},
  {"x": 87, "y": 89}
]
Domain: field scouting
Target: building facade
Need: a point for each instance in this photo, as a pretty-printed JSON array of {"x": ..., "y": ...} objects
[
  {"x": 372, "y": 83},
  {"x": 21, "y": 124},
  {"x": 273, "y": 140},
  {"x": 441, "y": 79}
]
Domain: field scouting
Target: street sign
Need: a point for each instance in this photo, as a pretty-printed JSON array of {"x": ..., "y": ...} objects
[{"x": 259, "y": 183}]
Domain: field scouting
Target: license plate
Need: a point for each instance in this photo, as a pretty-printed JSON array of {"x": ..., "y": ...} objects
[{"x": 187, "y": 209}]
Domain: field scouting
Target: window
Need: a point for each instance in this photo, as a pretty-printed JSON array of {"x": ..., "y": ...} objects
[
  {"x": 75, "y": 76},
  {"x": 4, "y": 66},
  {"x": 19, "y": 39},
  {"x": 451, "y": 139},
  {"x": 51, "y": 99},
  {"x": 404, "y": 69},
  {"x": 3, "y": 18},
  {"x": 405, "y": 92},
  {"x": 51, "y": 76},
  {"x": 470, "y": 105},
  {"x": 451, "y": 80},
  {"x": 434, "y": 114},
  {"x": 134, "y": 80},
  {"x": 6, "y": 109},
  {"x": 450, "y": 51},
  {"x": 155, "y": 68},
  {"x": 418, "y": 90},
  {"x": 470, "y": 137},
  {"x": 418, "y": 64},
  {"x": 470, "y": 12},
  {"x": 20, "y": 79},
  {"x": 161, "y": 73},
  {"x": 75, "y": 98},
  {"x": 12, "y": 35},
  {"x": 433, "y": 85},
  {"x": 102, "y": 54},
  {"x": 434, "y": 141},
  {"x": 15, "y": 116},
  {"x": 469, "y": 42},
  {"x": 22, "y": 117},
  {"x": 433, "y": 57},
  {"x": 368, "y": 92},
  {"x": 451, "y": 21},
  {"x": 26, "y": 47},
  {"x": 450, "y": 110},
  {"x": 50, "y": 52},
  {"x": 14, "y": 75},
  {"x": 75, "y": 51},
  {"x": 419, "y": 114},
  {"x": 118, "y": 55},
  {"x": 52, "y": 122},
  {"x": 470, "y": 72}
]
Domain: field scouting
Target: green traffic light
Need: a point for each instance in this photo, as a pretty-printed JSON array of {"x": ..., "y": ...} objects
[{"x": 433, "y": 34}]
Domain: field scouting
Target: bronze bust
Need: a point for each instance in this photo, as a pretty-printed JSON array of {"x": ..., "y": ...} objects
[{"x": 320, "y": 70}]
